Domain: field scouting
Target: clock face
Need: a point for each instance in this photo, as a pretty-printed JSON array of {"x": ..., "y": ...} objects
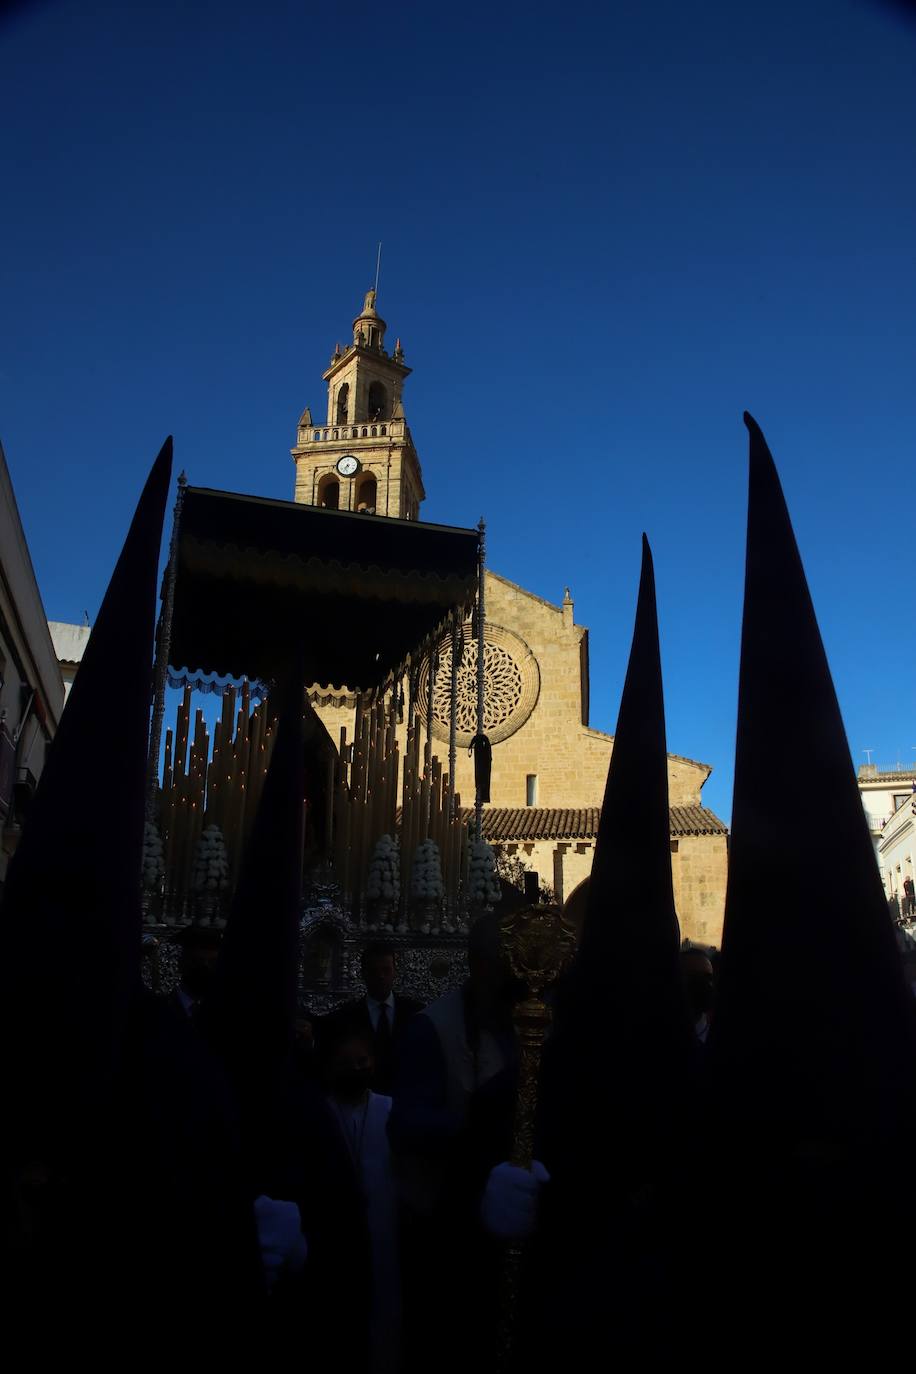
[{"x": 347, "y": 465}]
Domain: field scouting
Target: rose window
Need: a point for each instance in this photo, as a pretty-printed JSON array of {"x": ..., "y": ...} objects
[{"x": 511, "y": 686}]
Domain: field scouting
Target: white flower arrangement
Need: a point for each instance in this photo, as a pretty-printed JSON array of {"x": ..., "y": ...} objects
[
  {"x": 426, "y": 877},
  {"x": 211, "y": 863},
  {"x": 152, "y": 869},
  {"x": 383, "y": 884},
  {"x": 483, "y": 884}
]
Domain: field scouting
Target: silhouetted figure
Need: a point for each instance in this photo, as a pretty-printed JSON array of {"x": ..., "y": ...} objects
[
  {"x": 293, "y": 1152},
  {"x": 619, "y": 1071},
  {"x": 454, "y": 1047},
  {"x": 120, "y": 1144},
  {"x": 811, "y": 1057},
  {"x": 699, "y": 990}
]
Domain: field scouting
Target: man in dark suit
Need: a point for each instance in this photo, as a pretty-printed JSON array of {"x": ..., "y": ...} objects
[
  {"x": 199, "y": 950},
  {"x": 382, "y": 1013}
]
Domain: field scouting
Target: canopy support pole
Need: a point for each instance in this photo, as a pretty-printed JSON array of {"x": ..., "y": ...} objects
[
  {"x": 163, "y": 648},
  {"x": 433, "y": 662},
  {"x": 481, "y": 620},
  {"x": 453, "y": 722}
]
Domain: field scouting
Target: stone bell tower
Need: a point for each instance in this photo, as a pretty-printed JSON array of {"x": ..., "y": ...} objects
[{"x": 361, "y": 458}]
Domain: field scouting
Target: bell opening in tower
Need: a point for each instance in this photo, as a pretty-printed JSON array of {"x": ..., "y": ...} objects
[
  {"x": 329, "y": 493},
  {"x": 343, "y": 397},
  {"x": 367, "y": 495},
  {"x": 378, "y": 402}
]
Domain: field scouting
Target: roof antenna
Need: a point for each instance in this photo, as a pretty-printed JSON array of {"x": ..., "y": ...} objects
[
  {"x": 868, "y": 753},
  {"x": 378, "y": 263}
]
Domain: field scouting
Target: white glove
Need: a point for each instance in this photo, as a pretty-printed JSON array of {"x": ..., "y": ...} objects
[
  {"x": 283, "y": 1246},
  {"x": 510, "y": 1200}
]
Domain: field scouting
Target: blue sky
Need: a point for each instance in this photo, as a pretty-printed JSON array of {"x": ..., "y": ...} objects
[{"x": 607, "y": 229}]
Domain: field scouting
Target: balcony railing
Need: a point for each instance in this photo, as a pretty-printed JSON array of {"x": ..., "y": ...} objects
[{"x": 376, "y": 429}]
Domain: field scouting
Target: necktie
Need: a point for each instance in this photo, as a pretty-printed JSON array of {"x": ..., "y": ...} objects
[{"x": 383, "y": 1029}]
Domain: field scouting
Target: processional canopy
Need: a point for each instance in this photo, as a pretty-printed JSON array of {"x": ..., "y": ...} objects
[{"x": 256, "y": 579}]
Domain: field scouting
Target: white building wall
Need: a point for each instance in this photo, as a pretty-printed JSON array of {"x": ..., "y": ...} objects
[
  {"x": 31, "y": 687},
  {"x": 69, "y": 644},
  {"x": 879, "y": 801},
  {"x": 897, "y": 849},
  {"x": 882, "y": 791}
]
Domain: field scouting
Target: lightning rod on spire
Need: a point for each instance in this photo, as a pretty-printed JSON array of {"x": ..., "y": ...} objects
[{"x": 378, "y": 263}]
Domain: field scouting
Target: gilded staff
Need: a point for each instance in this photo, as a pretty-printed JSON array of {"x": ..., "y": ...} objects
[{"x": 538, "y": 942}]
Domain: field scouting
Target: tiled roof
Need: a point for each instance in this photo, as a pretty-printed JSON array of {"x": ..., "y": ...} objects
[
  {"x": 502, "y": 824},
  {"x": 695, "y": 820},
  {"x": 537, "y": 823}
]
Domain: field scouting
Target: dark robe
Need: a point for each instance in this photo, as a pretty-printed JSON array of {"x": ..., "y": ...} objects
[
  {"x": 151, "y": 1223},
  {"x": 294, "y": 1151}
]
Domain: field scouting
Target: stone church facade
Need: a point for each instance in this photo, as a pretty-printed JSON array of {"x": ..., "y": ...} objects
[{"x": 549, "y": 766}]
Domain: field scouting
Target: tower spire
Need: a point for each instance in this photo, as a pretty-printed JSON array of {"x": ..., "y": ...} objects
[{"x": 362, "y": 458}]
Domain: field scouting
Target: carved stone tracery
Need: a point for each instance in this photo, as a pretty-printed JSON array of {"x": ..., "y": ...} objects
[{"x": 512, "y": 683}]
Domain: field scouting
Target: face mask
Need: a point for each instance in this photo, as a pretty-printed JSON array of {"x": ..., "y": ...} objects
[
  {"x": 197, "y": 981},
  {"x": 699, "y": 993},
  {"x": 352, "y": 1085}
]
